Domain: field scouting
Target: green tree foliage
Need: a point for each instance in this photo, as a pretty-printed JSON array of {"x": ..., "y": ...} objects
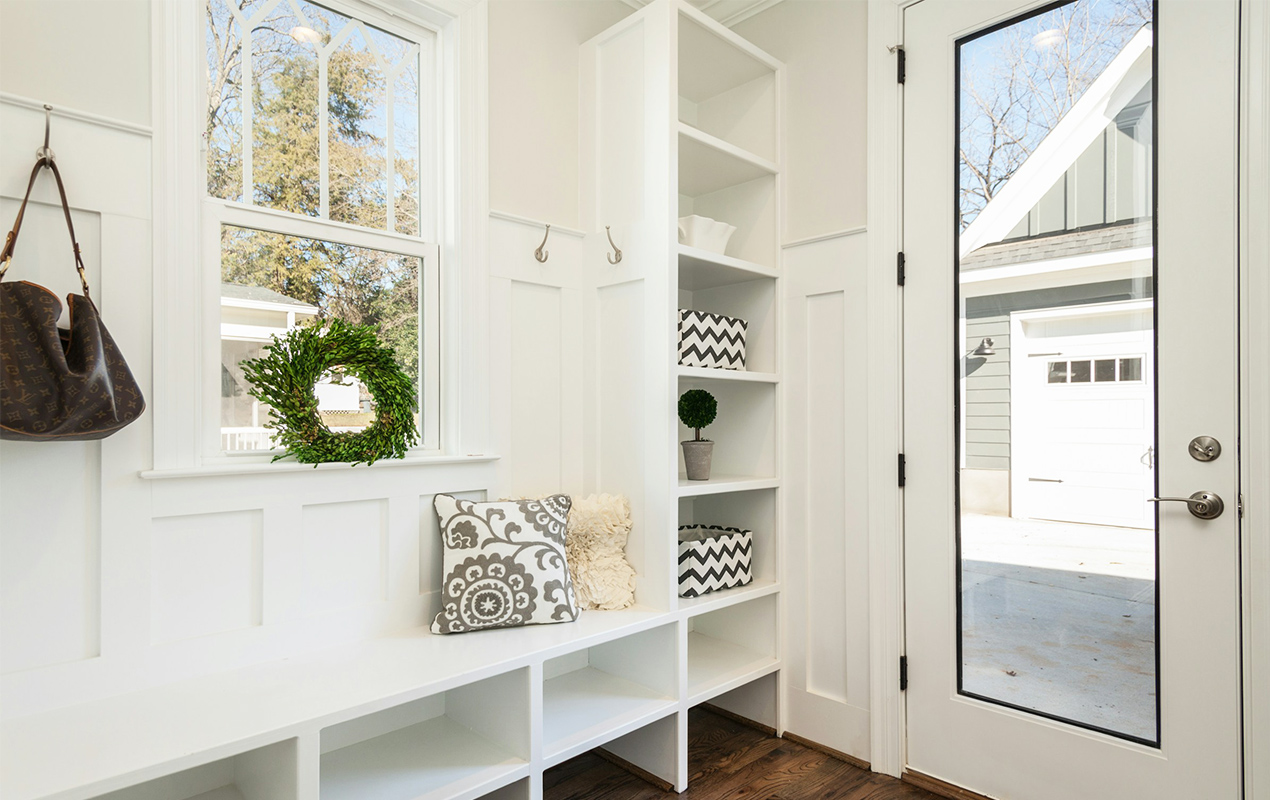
[{"x": 357, "y": 285}]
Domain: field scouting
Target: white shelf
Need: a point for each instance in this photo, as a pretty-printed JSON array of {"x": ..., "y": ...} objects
[
  {"x": 716, "y": 666},
  {"x": 223, "y": 793},
  {"x": 586, "y": 707},
  {"x": 77, "y": 750},
  {"x": 719, "y": 484},
  {"x": 728, "y": 375},
  {"x": 714, "y": 59},
  {"x": 438, "y": 758},
  {"x": 708, "y": 164},
  {"x": 713, "y": 601},
  {"x": 701, "y": 269}
]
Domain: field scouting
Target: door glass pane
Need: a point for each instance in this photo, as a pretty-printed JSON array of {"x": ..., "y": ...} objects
[{"x": 1055, "y": 266}]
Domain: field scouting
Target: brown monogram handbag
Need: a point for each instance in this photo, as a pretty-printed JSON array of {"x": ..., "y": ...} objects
[{"x": 58, "y": 385}]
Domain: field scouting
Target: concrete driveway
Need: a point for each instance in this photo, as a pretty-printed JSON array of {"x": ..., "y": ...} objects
[{"x": 1060, "y": 618}]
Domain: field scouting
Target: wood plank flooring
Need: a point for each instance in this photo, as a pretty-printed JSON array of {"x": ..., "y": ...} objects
[{"x": 729, "y": 760}]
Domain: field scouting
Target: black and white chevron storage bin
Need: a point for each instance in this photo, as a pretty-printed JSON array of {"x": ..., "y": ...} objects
[
  {"x": 711, "y": 557},
  {"x": 711, "y": 340}
]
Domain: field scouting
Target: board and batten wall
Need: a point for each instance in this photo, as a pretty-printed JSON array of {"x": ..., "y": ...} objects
[
  {"x": 111, "y": 582},
  {"x": 537, "y": 316},
  {"x": 827, "y": 671}
]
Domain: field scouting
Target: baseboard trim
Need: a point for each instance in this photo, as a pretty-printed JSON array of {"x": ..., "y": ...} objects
[
  {"x": 829, "y": 751},
  {"x": 746, "y": 721},
  {"x": 941, "y": 788},
  {"x": 638, "y": 772}
]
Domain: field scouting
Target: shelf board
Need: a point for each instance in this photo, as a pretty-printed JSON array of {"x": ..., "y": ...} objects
[
  {"x": 716, "y": 666},
  {"x": 728, "y": 375},
  {"x": 584, "y": 708},
  {"x": 434, "y": 759},
  {"x": 708, "y": 164},
  {"x": 714, "y": 59},
  {"x": 720, "y": 484},
  {"x": 702, "y": 269},
  {"x": 223, "y": 793},
  {"x": 713, "y": 601}
]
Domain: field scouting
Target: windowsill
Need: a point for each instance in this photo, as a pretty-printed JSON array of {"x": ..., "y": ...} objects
[{"x": 259, "y": 467}]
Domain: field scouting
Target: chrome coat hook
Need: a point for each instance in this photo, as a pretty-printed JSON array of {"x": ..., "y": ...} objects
[
  {"x": 616, "y": 256},
  {"x": 46, "y": 152},
  {"x": 541, "y": 254}
]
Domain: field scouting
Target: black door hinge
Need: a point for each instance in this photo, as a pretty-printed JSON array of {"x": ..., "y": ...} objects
[
  {"x": 900, "y": 465},
  {"x": 899, "y": 269},
  {"x": 900, "y": 66},
  {"x": 903, "y": 673}
]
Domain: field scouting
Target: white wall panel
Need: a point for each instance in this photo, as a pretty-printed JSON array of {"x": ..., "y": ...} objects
[
  {"x": 827, "y": 552},
  {"x": 533, "y": 102},
  {"x": 345, "y": 554},
  {"x": 50, "y": 553},
  {"x": 824, "y": 594},
  {"x": 536, "y": 391},
  {"x": 206, "y": 574}
]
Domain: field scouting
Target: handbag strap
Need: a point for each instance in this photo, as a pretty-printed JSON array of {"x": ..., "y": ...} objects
[{"x": 11, "y": 240}]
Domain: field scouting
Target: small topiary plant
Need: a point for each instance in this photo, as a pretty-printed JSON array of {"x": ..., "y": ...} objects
[{"x": 697, "y": 409}]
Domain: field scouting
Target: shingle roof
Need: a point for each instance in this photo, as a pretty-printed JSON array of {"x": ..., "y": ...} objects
[
  {"x": 260, "y": 294},
  {"x": 1137, "y": 233}
]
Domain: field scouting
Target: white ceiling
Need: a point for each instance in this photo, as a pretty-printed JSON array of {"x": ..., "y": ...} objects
[{"x": 728, "y": 12}]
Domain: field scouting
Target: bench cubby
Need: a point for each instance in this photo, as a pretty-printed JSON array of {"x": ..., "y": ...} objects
[
  {"x": 267, "y": 773},
  {"x": 591, "y": 696},
  {"x": 456, "y": 744}
]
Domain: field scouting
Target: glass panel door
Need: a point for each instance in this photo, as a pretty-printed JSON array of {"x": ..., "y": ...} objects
[{"x": 1055, "y": 396}]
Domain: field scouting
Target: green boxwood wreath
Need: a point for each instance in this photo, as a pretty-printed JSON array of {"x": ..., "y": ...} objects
[{"x": 283, "y": 378}]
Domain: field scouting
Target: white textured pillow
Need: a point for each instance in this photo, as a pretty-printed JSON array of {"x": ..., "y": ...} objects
[
  {"x": 598, "y": 528},
  {"x": 504, "y": 564}
]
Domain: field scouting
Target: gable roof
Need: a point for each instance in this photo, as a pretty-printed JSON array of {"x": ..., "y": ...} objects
[{"x": 1118, "y": 84}]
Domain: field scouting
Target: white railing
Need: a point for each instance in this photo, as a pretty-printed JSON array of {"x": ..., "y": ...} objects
[{"x": 240, "y": 439}]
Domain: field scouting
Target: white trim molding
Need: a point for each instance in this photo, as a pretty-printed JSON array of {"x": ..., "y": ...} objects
[
  {"x": 885, "y": 389},
  {"x": 1255, "y": 387},
  {"x": 74, "y": 113}
]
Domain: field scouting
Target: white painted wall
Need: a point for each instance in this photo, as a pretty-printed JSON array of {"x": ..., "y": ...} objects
[
  {"x": 111, "y": 582},
  {"x": 533, "y": 86},
  {"x": 823, "y": 45},
  {"x": 93, "y": 55}
]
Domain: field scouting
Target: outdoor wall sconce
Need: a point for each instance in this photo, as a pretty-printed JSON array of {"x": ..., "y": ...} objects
[{"x": 984, "y": 348}]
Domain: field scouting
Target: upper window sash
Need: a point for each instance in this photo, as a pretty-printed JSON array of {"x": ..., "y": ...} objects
[{"x": 360, "y": 30}]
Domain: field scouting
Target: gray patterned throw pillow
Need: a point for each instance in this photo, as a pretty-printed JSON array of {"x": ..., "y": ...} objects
[{"x": 504, "y": 564}]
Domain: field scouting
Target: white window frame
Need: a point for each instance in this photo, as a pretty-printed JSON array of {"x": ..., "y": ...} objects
[{"x": 185, "y": 402}]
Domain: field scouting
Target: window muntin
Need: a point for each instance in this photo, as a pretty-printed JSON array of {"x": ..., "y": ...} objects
[
  {"x": 319, "y": 155},
  {"x": 1126, "y": 369}
]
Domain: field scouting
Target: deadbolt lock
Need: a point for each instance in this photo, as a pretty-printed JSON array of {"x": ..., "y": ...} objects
[{"x": 1204, "y": 448}]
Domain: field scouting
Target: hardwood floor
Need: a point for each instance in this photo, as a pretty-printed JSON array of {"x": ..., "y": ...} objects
[{"x": 729, "y": 760}]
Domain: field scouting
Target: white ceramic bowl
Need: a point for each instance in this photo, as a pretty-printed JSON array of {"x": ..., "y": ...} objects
[{"x": 705, "y": 233}]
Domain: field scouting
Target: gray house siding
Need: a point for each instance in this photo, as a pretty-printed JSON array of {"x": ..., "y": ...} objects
[
  {"x": 988, "y": 395},
  {"x": 987, "y": 387}
]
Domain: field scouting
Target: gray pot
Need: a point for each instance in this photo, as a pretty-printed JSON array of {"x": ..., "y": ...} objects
[{"x": 697, "y": 457}]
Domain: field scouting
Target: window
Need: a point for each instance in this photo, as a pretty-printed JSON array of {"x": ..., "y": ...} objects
[
  {"x": 1099, "y": 370},
  {"x": 321, "y": 196}
]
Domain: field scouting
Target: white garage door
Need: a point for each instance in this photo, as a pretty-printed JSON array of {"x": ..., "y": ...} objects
[{"x": 1082, "y": 416}]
